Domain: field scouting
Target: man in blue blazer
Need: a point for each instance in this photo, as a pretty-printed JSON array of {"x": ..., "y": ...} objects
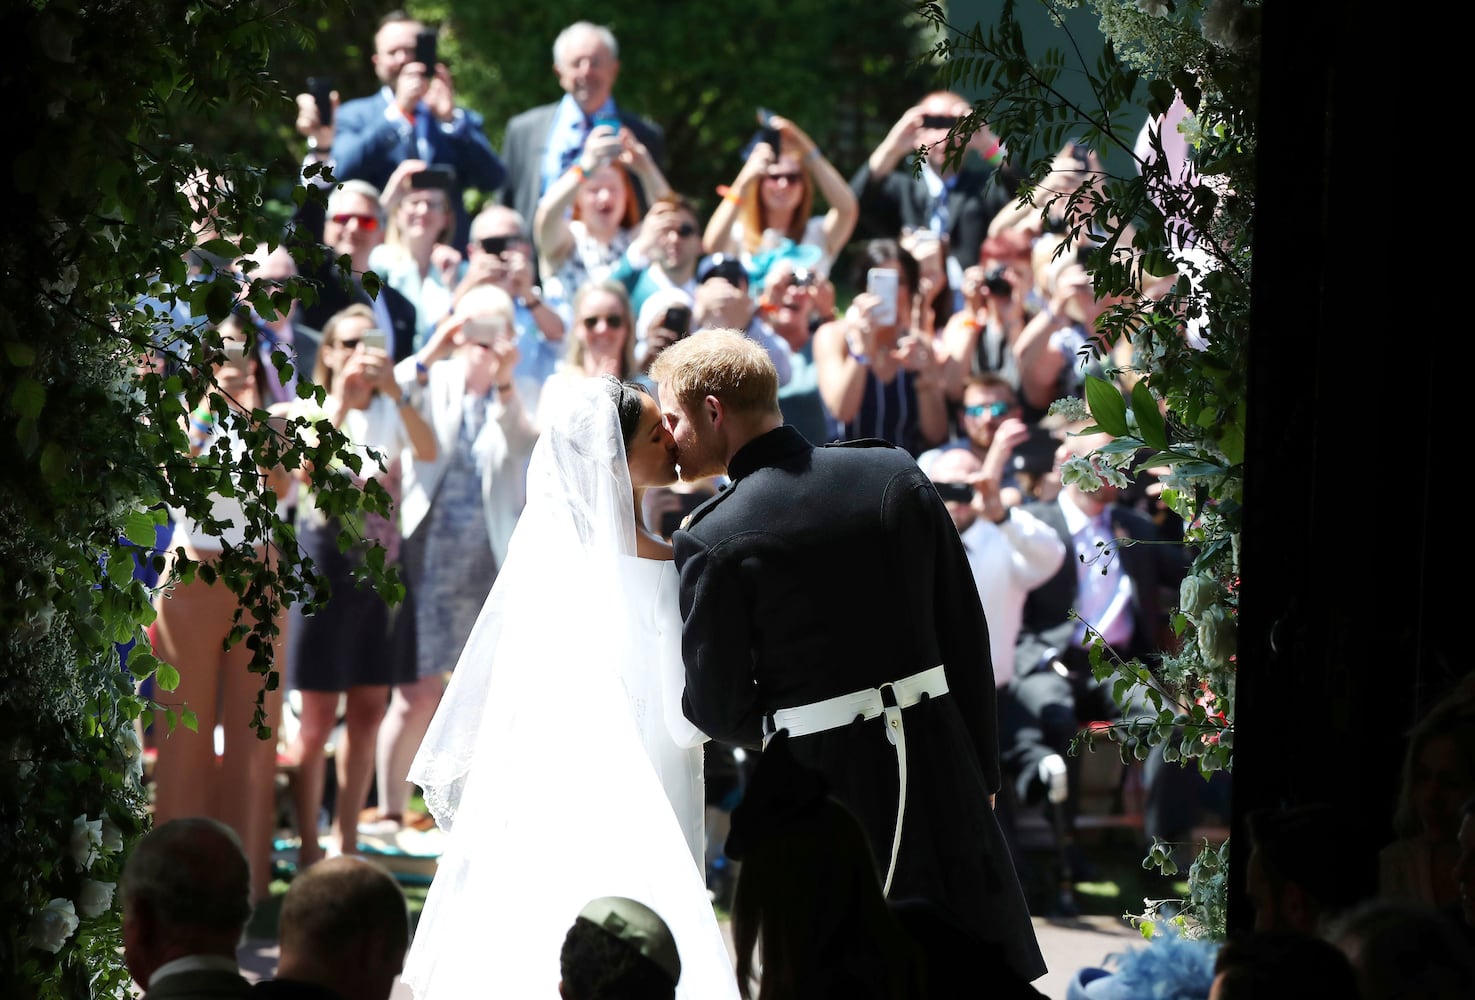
[
  {"x": 543, "y": 142},
  {"x": 413, "y": 117}
]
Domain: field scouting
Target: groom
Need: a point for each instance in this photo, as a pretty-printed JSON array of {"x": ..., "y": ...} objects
[{"x": 826, "y": 592}]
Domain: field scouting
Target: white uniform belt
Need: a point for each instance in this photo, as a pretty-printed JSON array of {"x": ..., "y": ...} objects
[{"x": 840, "y": 711}]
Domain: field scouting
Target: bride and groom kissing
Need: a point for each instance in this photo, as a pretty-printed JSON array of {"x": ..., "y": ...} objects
[{"x": 824, "y": 592}]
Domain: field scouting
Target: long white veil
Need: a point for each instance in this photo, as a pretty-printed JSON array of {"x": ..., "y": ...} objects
[
  {"x": 556, "y": 595},
  {"x": 534, "y": 764}
]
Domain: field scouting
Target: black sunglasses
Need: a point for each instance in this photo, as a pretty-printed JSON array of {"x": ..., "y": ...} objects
[{"x": 614, "y": 321}]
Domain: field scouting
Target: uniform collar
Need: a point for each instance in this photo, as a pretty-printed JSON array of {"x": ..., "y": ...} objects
[{"x": 767, "y": 449}]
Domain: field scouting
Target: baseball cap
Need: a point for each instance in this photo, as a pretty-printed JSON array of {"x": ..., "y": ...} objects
[
  {"x": 637, "y": 926},
  {"x": 720, "y": 265}
]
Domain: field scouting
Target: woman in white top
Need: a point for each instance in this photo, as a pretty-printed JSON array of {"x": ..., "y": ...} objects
[
  {"x": 194, "y": 617},
  {"x": 587, "y": 217}
]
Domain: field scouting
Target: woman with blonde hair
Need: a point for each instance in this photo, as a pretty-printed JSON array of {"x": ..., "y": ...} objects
[
  {"x": 417, "y": 258},
  {"x": 601, "y": 341},
  {"x": 767, "y": 210}
]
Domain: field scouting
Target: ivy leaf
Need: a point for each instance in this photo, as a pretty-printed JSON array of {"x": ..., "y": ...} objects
[
  {"x": 1149, "y": 418},
  {"x": 1108, "y": 408},
  {"x": 27, "y": 398},
  {"x": 166, "y": 678},
  {"x": 20, "y": 355}
]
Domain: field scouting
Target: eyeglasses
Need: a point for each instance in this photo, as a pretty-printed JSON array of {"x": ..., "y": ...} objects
[
  {"x": 365, "y": 221},
  {"x": 685, "y": 230},
  {"x": 788, "y": 177},
  {"x": 995, "y": 410},
  {"x": 614, "y": 321}
]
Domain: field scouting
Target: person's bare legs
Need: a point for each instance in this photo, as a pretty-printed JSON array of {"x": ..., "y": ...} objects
[
  {"x": 246, "y": 782},
  {"x": 193, "y": 619},
  {"x": 367, "y": 705},
  {"x": 411, "y": 708},
  {"x": 309, "y": 750}
]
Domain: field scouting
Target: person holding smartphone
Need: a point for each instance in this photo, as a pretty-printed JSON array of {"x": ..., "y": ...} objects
[
  {"x": 956, "y": 194},
  {"x": 418, "y": 257},
  {"x": 414, "y": 116},
  {"x": 879, "y": 377},
  {"x": 772, "y": 200},
  {"x": 342, "y": 650}
]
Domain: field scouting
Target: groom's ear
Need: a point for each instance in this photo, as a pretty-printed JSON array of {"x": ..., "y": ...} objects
[{"x": 716, "y": 412}]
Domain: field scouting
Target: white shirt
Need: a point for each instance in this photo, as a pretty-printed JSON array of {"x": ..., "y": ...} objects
[
  {"x": 1008, "y": 561},
  {"x": 194, "y": 963}
]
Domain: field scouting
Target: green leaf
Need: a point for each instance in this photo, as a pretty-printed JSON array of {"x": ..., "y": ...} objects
[
  {"x": 166, "y": 678},
  {"x": 188, "y": 719},
  {"x": 53, "y": 462},
  {"x": 1150, "y": 423},
  {"x": 138, "y": 527},
  {"x": 27, "y": 398},
  {"x": 20, "y": 355},
  {"x": 1108, "y": 408}
]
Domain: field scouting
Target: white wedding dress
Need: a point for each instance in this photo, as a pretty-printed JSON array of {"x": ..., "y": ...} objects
[{"x": 559, "y": 763}]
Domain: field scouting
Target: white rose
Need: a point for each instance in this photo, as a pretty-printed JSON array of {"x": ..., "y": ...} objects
[
  {"x": 1217, "y": 638},
  {"x": 51, "y": 927},
  {"x": 86, "y": 841},
  {"x": 131, "y": 751},
  {"x": 94, "y": 898},
  {"x": 1153, "y": 8},
  {"x": 112, "y": 837},
  {"x": 1196, "y": 593}
]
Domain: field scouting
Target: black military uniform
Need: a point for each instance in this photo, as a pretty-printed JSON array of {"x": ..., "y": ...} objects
[{"x": 825, "y": 571}]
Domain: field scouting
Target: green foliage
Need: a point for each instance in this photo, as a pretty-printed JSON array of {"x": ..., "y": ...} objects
[
  {"x": 109, "y": 102},
  {"x": 1174, "y": 260}
]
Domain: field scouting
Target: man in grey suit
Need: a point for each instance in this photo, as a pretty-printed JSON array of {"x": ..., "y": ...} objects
[
  {"x": 543, "y": 142},
  {"x": 186, "y": 901}
]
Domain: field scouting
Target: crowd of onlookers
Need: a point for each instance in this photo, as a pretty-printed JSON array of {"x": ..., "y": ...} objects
[{"x": 923, "y": 307}]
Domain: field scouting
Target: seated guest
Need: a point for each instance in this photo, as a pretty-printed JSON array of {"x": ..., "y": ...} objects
[
  {"x": 344, "y": 930},
  {"x": 186, "y": 900},
  {"x": 1281, "y": 966},
  {"x": 618, "y": 949}
]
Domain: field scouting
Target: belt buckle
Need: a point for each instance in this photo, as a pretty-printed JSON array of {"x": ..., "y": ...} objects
[{"x": 891, "y": 709}]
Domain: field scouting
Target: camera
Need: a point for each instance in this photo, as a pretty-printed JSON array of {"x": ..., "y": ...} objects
[
  {"x": 437, "y": 176},
  {"x": 997, "y": 281},
  {"x": 495, "y": 244},
  {"x": 803, "y": 276},
  {"x": 955, "y": 492}
]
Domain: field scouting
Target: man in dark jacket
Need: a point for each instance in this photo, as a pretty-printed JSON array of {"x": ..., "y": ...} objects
[{"x": 826, "y": 592}]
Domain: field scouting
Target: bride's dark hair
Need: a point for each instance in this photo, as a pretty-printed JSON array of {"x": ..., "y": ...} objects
[{"x": 626, "y": 397}]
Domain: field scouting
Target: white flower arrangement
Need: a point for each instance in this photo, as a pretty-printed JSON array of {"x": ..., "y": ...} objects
[
  {"x": 86, "y": 841},
  {"x": 53, "y": 924}
]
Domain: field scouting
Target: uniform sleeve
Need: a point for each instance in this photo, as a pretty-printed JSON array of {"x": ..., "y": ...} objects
[{"x": 721, "y": 698}]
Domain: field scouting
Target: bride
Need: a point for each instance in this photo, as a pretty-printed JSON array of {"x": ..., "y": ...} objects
[{"x": 559, "y": 763}]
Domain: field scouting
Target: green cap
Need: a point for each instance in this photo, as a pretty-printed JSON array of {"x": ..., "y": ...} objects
[{"x": 638, "y": 926}]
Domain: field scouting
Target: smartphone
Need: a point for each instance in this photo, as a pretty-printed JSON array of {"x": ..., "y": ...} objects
[
  {"x": 678, "y": 320},
  {"x": 770, "y": 135},
  {"x": 375, "y": 339},
  {"x": 611, "y": 122},
  {"x": 881, "y": 282},
  {"x": 939, "y": 121},
  {"x": 321, "y": 89},
  {"x": 956, "y": 492},
  {"x": 439, "y": 176},
  {"x": 495, "y": 244},
  {"x": 425, "y": 43},
  {"x": 484, "y": 330},
  {"x": 765, "y": 118}
]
